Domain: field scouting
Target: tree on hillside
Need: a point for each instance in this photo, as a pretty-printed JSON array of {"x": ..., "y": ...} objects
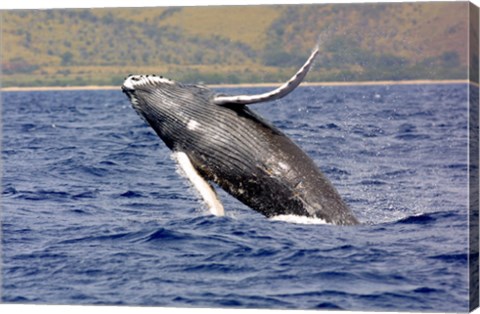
[{"x": 67, "y": 58}]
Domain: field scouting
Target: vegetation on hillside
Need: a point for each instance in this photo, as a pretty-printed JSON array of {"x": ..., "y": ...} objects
[{"x": 235, "y": 44}]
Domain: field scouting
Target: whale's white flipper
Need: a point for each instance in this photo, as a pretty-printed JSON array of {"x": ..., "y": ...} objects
[
  {"x": 278, "y": 93},
  {"x": 203, "y": 187}
]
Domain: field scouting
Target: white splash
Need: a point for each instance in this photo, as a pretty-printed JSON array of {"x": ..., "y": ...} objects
[{"x": 300, "y": 220}]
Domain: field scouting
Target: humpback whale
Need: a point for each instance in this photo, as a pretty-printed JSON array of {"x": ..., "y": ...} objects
[{"x": 218, "y": 138}]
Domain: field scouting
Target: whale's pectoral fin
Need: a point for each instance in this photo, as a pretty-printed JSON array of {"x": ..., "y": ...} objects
[
  {"x": 203, "y": 187},
  {"x": 280, "y": 92}
]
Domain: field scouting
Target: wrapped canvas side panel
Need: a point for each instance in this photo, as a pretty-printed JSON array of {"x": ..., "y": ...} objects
[{"x": 473, "y": 156}]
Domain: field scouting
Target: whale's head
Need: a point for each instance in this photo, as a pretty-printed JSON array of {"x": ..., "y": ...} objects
[
  {"x": 156, "y": 98},
  {"x": 145, "y": 91},
  {"x": 166, "y": 105}
]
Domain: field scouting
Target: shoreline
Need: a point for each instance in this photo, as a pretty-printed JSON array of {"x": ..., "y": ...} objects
[{"x": 248, "y": 85}]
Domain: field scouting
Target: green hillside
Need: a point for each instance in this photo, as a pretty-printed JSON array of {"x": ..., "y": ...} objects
[{"x": 235, "y": 44}]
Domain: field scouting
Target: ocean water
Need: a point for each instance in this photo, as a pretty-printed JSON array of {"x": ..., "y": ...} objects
[{"x": 94, "y": 210}]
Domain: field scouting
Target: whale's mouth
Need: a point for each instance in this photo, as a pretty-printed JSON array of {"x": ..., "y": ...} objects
[
  {"x": 130, "y": 93},
  {"x": 129, "y": 89}
]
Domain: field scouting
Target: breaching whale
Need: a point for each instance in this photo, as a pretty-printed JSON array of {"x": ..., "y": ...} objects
[{"x": 217, "y": 138}]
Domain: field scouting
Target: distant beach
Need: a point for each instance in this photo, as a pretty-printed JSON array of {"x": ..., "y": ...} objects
[{"x": 245, "y": 85}]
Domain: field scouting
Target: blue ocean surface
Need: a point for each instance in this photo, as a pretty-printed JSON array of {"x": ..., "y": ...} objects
[{"x": 94, "y": 210}]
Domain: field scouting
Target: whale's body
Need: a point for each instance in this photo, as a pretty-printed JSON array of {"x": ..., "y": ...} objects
[{"x": 223, "y": 141}]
